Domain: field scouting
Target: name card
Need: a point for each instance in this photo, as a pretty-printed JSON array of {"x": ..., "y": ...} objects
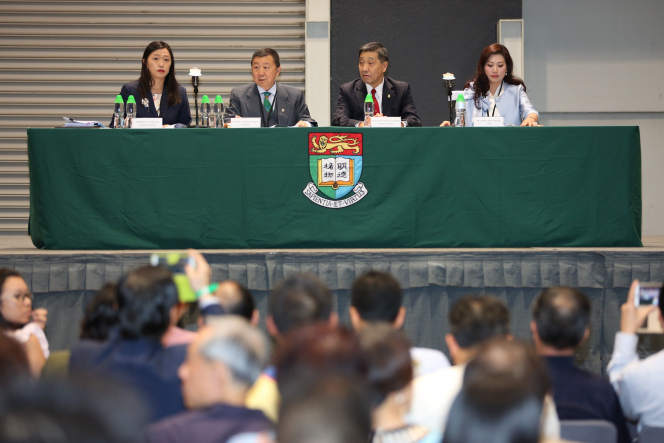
[
  {"x": 247, "y": 122},
  {"x": 455, "y": 95},
  {"x": 385, "y": 122},
  {"x": 147, "y": 123},
  {"x": 488, "y": 121}
]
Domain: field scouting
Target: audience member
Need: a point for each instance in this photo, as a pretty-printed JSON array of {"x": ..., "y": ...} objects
[
  {"x": 376, "y": 297},
  {"x": 298, "y": 300},
  {"x": 561, "y": 318},
  {"x": 15, "y": 315},
  {"x": 13, "y": 362},
  {"x": 639, "y": 383},
  {"x": 134, "y": 354},
  {"x": 175, "y": 335},
  {"x": 473, "y": 320},
  {"x": 390, "y": 373},
  {"x": 312, "y": 351},
  {"x": 235, "y": 299},
  {"x": 334, "y": 410},
  {"x": 502, "y": 396},
  {"x": 64, "y": 412},
  {"x": 222, "y": 363}
]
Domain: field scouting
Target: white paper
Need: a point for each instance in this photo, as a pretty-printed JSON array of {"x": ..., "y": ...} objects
[
  {"x": 147, "y": 123},
  {"x": 246, "y": 122},
  {"x": 488, "y": 121},
  {"x": 385, "y": 122}
]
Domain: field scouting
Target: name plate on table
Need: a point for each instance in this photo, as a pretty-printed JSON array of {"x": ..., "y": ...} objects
[
  {"x": 488, "y": 121},
  {"x": 247, "y": 122},
  {"x": 385, "y": 122},
  {"x": 147, "y": 123}
]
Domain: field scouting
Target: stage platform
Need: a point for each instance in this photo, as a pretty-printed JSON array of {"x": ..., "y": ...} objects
[{"x": 433, "y": 279}]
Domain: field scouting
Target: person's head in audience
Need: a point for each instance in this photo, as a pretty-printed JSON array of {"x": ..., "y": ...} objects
[
  {"x": 13, "y": 362},
  {"x": 15, "y": 300},
  {"x": 502, "y": 396},
  {"x": 334, "y": 410},
  {"x": 84, "y": 411},
  {"x": 223, "y": 362},
  {"x": 145, "y": 298},
  {"x": 298, "y": 300},
  {"x": 561, "y": 318},
  {"x": 474, "y": 319},
  {"x": 376, "y": 297},
  {"x": 389, "y": 374},
  {"x": 235, "y": 299},
  {"x": 101, "y": 314},
  {"x": 311, "y": 351}
]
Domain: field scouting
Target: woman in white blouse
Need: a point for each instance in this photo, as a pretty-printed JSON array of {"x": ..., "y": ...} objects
[{"x": 496, "y": 92}]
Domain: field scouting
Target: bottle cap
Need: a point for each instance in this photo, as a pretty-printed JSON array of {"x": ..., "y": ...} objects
[
  {"x": 368, "y": 99},
  {"x": 218, "y": 99},
  {"x": 118, "y": 99},
  {"x": 205, "y": 99},
  {"x": 460, "y": 98},
  {"x": 131, "y": 99}
]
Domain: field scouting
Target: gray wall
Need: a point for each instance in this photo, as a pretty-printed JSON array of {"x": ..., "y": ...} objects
[
  {"x": 601, "y": 62},
  {"x": 425, "y": 39}
]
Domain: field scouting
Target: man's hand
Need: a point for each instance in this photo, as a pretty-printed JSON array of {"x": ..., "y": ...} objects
[
  {"x": 201, "y": 275},
  {"x": 631, "y": 317},
  {"x": 302, "y": 124},
  {"x": 446, "y": 123}
]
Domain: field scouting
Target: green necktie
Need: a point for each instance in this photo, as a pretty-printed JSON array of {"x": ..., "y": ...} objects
[{"x": 266, "y": 102}]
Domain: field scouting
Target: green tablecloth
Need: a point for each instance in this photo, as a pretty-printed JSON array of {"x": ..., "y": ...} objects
[{"x": 426, "y": 188}]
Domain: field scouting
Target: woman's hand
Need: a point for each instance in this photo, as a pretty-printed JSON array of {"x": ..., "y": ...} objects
[
  {"x": 446, "y": 123},
  {"x": 531, "y": 120}
]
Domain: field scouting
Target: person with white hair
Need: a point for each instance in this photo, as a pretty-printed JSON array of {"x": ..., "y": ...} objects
[{"x": 222, "y": 363}]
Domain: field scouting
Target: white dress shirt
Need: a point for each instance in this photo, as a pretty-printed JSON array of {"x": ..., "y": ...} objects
[
  {"x": 379, "y": 98},
  {"x": 638, "y": 383}
]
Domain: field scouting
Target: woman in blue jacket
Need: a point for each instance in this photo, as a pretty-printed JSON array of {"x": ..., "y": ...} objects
[
  {"x": 496, "y": 92},
  {"x": 157, "y": 92}
]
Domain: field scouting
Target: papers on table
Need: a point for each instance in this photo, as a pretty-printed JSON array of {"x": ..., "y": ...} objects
[{"x": 71, "y": 123}]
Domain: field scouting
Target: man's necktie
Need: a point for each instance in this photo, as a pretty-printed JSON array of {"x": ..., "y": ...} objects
[
  {"x": 266, "y": 102},
  {"x": 376, "y": 105}
]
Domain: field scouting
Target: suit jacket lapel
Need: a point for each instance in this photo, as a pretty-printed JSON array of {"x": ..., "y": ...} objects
[
  {"x": 388, "y": 99},
  {"x": 360, "y": 95},
  {"x": 253, "y": 103},
  {"x": 282, "y": 101}
]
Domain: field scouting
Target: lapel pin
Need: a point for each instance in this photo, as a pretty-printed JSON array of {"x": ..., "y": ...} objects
[
  {"x": 283, "y": 110},
  {"x": 388, "y": 95}
]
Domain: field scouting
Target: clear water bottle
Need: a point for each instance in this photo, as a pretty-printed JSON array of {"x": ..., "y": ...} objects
[
  {"x": 205, "y": 112},
  {"x": 460, "y": 108},
  {"x": 368, "y": 109},
  {"x": 118, "y": 113},
  {"x": 131, "y": 112},
  {"x": 218, "y": 111}
]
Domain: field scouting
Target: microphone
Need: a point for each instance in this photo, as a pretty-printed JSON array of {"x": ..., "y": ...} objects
[
  {"x": 448, "y": 78},
  {"x": 195, "y": 74}
]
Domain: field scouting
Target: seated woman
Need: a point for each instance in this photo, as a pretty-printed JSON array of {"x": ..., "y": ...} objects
[
  {"x": 390, "y": 373},
  {"x": 157, "y": 92},
  {"x": 496, "y": 92},
  {"x": 15, "y": 316}
]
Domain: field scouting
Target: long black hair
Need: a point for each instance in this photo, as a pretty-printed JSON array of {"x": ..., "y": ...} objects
[
  {"x": 481, "y": 81},
  {"x": 145, "y": 81}
]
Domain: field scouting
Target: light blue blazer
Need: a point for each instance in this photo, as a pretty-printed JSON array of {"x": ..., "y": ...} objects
[{"x": 513, "y": 105}]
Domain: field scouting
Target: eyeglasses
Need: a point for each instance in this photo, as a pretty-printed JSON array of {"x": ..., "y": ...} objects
[{"x": 21, "y": 297}]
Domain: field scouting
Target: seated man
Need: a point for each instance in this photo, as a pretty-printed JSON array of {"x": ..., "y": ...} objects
[
  {"x": 392, "y": 98},
  {"x": 222, "y": 363},
  {"x": 133, "y": 353},
  {"x": 473, "y": 320},
  {"x": 376, "y": 297},
  {"x": 275, "y": 104},
  {"x": 638, "y": 382},
  {"x": 560, "y": 325}
]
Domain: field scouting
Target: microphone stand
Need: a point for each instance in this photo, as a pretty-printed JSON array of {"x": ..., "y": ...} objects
[
  {"x": 450, "y": 85},
  {"x": 194, "y": 82}
]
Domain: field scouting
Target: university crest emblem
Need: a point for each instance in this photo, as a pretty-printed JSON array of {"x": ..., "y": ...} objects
[{"x": 335, "y": 165}]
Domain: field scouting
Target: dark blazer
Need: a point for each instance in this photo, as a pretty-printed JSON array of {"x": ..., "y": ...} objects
[
  {"x": 581, "y": 395},
  {"x": 144, "y": 365},
  {"x": 179, "y": 113},
  {"x": 214, "y": 424},
  {"x": 290, "y": 107},
  {"x": 397, "y": 102}
]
